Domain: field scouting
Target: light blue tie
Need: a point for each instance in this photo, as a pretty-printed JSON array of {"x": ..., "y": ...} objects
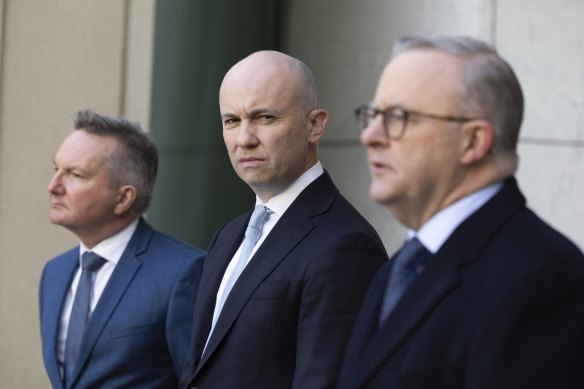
[
  {"x": 90, "y": 262},
  {"x": 409, "y": 262},
  {"x": 260, "y": 215}
]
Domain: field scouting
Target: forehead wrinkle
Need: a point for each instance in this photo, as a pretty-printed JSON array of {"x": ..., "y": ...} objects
[
  {"x": 416, "y": 78},
  {"x": 82, "y": 150},
  {"x": 263, "y": 110},
  {"x": 268, "y": 96}
]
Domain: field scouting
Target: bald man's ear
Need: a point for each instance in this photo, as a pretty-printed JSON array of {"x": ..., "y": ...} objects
[
  {"x": 317, "y": 119},
  {"x": 477, "y": 141},
  {"x": 126, "y": 196}
]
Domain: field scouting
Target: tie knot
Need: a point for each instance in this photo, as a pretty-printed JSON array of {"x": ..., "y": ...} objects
[
  {"x": 409, "y": 262},
  {"x": 259, "y": 216},
  {"x": 411, "y": 250},
  {"x": 91, "y": 261}
]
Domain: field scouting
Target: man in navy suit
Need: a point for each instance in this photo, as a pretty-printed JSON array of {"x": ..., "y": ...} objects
[
  {"x": 286, "y": 318},
  {"x": 142, "y": 297},
  {"x": 492, "y": 296}
]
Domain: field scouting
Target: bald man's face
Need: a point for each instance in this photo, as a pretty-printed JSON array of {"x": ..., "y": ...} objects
[{"x": 266, "y": 130}]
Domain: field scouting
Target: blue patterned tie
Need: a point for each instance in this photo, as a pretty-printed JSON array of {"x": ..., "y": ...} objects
[
  {"x": 90, "y": 262},
  {"x": 409, "y": 262},
  {"x": 260, "y": 215}
]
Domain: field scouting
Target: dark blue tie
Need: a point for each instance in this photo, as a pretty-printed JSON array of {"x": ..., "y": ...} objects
[
  {"x": 408, "y": 263},
  {"x": 90, "y": 262}
]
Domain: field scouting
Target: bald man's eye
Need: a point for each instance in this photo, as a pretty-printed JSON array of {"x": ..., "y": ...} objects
[
  {"x": 230, "y": 122},
  {"x": 265, "y": 119}
]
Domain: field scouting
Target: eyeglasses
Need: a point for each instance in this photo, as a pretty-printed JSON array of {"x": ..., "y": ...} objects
[{"x": 395, "y": 119}]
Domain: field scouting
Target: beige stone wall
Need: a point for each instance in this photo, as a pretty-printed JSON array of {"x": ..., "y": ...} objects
[
  {"x": 544, "y": 42},
  {"x": 56, "y": 58}
]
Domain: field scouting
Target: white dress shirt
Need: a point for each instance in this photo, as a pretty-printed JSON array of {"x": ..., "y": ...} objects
[
  {"x": 278, "y": 204},
  {"x": 438, "y": 229},
  {"x": 110, "y": 249}
]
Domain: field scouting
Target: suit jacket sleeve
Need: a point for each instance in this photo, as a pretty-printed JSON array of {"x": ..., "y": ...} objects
[
  {"x": 333, "y": 293},
  {"x": 180, "y": 313}
]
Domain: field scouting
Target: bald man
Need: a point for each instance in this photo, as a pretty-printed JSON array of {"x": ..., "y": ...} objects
[{"x": 280, "y": 317}]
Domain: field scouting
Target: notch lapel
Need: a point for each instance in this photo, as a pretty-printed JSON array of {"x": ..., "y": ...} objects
[
  {"x": 415, "y": 304},
  {"x": 440, "y": 276},
  {"x": 293, "y": 227},
  {"x": 54, "y": 299},
  {"x": 282, "y": 239},
  {"x": 214, "y": 268},
  {"x": 115, "y": 289}
]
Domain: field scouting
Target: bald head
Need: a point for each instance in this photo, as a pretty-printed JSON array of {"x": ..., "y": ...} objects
[
  {"x": 275, "y": 72},
  {"x": 271, "y": 121}
]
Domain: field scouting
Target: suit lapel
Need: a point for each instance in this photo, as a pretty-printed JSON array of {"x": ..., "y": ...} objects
[
  {"x": 415, "y": 304},
  {"x": 268, "y": 256},
  {"x": 117, "y": 285},
  {"x": 440, "y": 277},
  {"x": 293, "y": 226},
  {"x": 216, "y": 263},
  {"x": 55, "y": 299},
  {"x": 366, "y": 324}
]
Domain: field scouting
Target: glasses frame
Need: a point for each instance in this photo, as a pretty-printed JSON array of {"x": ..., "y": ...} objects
[{"x": 366, "y": 113}]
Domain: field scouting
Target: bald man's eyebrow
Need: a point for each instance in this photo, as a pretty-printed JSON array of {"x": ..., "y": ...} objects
[
  {"x": 228, "y": 115},
  {"x": 264, "y": 111}
]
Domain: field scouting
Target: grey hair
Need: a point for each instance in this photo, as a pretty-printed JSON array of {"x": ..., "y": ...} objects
[
  {"x": 135, "y": 160},
  {"x": 491, "y": 88}
]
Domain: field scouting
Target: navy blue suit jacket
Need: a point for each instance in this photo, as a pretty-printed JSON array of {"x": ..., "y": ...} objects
[
  {"x": 500, "y": 305},
  {"x": 139, "y": 332},
  {"x": 287, "y": 319}
]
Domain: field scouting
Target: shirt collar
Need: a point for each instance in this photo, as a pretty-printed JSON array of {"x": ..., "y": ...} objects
[
  {"x": 112, "y": 248},
  {"x": 280, "y": 203},
  {"x": 438, "y": 229}
]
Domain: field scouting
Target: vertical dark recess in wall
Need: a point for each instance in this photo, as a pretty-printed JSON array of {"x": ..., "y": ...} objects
[{"x": 196, "y": 42}]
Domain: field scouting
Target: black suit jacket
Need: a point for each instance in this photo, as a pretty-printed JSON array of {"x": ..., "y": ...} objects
[
  {"x": 287, "y": 319},
  {"x": 500, "y": 305},
  {"x": 138, "y": 334}
]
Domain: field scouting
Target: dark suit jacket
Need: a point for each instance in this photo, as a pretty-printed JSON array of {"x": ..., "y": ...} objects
[
  {"x": 500, "y": 305},
  {"x": 138, "y": 334},
  {"x": 287, "y": 319}
]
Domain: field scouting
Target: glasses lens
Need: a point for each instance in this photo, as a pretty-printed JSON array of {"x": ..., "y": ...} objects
[
  {"x": 364, "y": 115},
  {"x": 395, "y": 122}
]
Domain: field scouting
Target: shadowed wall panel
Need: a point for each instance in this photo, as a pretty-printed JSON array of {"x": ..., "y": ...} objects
[{"x": 195, "y": 44}]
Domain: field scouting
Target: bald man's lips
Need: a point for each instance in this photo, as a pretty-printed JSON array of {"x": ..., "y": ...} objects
[{"x": 250, "y": 161}]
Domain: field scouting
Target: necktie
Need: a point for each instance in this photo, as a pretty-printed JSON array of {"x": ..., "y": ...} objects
[
  {"x": 90, "y": 262},
  {"x": 408, "y": 263},
  {"x": 260, "y": 215}
]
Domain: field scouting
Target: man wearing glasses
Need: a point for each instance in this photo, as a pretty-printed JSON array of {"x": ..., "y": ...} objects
[{"x": 484, "y": 294}]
